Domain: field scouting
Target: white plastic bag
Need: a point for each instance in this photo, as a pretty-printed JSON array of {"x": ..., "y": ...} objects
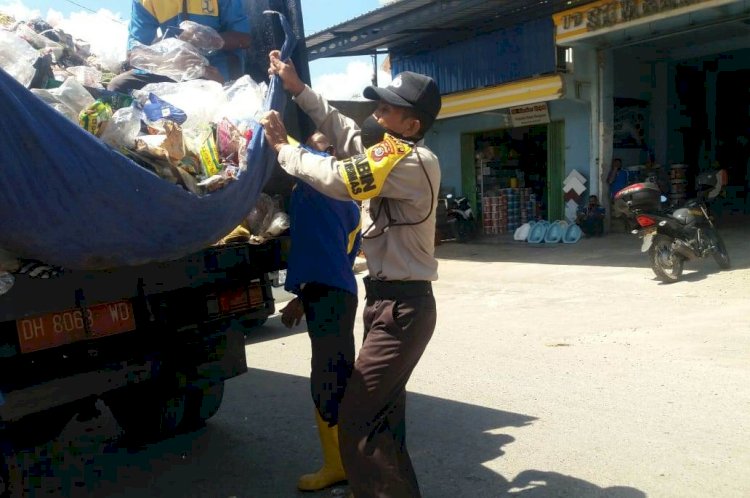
[
  {"x": 170, "y": 57},
  {"x": 245, "y": 100},
  {"x": 279, "y": 223},
  {"x": 204, "y": 38},
  {"x": 123, "y": 127},
  {"x": 6, "y": 282},
  {"x": 17, "y": 57},
  {"x": 199, "y": 99},
  {"x": 87, "y": 76},
  {"x": 260, "y": 217},
  {"x": 73, "y": 94},
  {"x": 38, "y": 41},
  {"x": 54, "y": 102}
]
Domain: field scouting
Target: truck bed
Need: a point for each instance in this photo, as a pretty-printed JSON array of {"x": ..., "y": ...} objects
[{"x": 83, "y": 334}]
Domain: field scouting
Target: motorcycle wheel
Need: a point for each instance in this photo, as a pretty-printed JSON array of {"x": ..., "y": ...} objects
[
  {"x": 464, "y": 231},
  {"x": 664, "y": 262},
  {"x": 720, "y": 250},
  {"x": 454, "y": 230}
]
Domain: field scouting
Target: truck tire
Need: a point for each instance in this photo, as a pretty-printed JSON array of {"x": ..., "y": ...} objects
[
  {"x": 201, "y": 404},
  {"x": 147, "y": 413}
]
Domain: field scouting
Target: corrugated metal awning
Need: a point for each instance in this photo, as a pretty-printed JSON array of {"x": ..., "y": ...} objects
[
  {"x": 409, "y": 26},
  {"x": 542, "y": 89}
]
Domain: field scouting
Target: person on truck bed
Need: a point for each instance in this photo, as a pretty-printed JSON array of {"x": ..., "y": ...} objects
[
  {"x": 397, "y": 180},
  {"x": 227, "y": 17},
  {"x": 325, "y": 239}
]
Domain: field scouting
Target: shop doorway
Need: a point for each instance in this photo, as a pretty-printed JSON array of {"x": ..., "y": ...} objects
[
  {"x": 511, "y": 176},
  {"x": 733, "y": 125}
]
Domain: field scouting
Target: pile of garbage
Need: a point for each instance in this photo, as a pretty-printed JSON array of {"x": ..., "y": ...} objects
[{"x": 192, "y": 132}]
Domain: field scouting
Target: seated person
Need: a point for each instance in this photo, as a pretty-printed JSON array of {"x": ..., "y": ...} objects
[
  {"x": 150, "y": 17},
  {"x": 591, "y": 217}
]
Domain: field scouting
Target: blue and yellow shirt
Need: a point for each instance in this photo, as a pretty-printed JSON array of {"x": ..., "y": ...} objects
[
  {"x": 326, "y": 237},
  {"x": 222, "y": 15}
]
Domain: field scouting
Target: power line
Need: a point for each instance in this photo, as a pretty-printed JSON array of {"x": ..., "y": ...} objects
[{"x": 94, "y": 12}]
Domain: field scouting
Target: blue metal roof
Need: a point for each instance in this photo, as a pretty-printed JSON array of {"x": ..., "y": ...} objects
[{"x": 410, "y": 26}]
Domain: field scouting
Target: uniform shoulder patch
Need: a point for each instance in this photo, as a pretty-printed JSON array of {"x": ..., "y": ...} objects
[{"x": 365, "y": 174}]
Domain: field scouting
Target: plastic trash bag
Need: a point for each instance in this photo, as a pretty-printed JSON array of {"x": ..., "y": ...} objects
[
  {"x": 123, "y": 128},
  {"x": 87, "y": 76},
  {"x": 204, "y": 38},
  {"x": 244, "y": 101},
  {"x": 260, "y": 217},
  {"x": 6, "y": 282},
  {"x": 17, "y": 57},
  {"x": 38, "y": 41},
  {"x": 170, "y": 57},
  {"x": 199, "y": 99},
  {"x": 58, "y": 105},
  {"x": 279, "y": 223},
  {"x": 73, "y": 94}
]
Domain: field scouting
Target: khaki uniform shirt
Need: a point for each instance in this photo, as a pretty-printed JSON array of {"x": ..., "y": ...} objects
[{"x": 409, "y": 195}]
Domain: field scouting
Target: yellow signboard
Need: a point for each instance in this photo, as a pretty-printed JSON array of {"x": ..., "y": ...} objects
[
  {"x": 517, "y": 93},
  {"x": 605, "y": 15}
]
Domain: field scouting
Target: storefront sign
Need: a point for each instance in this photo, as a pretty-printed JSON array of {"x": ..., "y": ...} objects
[
  {"x": 589, "y": 19},
  {"x": 527, "y": 115},
  {"x": 505, "y": 96}
]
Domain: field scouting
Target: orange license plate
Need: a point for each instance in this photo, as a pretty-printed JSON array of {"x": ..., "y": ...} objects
[{"x": 65, "y": 327}]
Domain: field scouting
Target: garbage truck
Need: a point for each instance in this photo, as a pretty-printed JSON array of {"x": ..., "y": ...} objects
[{"x": 154, "y": 340}]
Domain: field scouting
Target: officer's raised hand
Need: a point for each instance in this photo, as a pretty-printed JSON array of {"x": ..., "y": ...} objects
[
  {"x": 286, "y": 71},
  {"x": 274, "y": 130}
]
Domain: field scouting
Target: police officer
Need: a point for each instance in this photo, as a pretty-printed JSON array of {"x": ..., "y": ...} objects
[{"x": 397, "y": 180}]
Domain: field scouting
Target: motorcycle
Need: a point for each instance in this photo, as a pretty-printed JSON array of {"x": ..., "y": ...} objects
[
  {"x": 673, "y": 235},
  {"x": 460, "y": 218},
  {"x": 455, "y": 219}
]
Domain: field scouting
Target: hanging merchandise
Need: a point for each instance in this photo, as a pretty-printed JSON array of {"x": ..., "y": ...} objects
[{"x": 678, "y": 184}]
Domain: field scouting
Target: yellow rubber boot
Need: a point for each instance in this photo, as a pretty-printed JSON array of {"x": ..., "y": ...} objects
[{"x": 332, "y": 471}]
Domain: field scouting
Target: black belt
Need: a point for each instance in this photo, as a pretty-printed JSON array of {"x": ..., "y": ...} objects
[{"x": 396, "y": 289}]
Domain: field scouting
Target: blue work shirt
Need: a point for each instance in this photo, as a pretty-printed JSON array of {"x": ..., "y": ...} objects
[
  {"x": 325, "y": 239},
  {"x": 620, "y": 182},
  {"x": 222, "y": 15}
]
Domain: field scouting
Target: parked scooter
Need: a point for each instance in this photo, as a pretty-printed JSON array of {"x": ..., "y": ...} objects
[
  {"x": 460, "y": 218},
  {"x": 671, "y": 236}
]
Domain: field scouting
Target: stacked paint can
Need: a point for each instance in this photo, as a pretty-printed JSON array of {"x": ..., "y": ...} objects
[
  {"x": 509, "y": 210},
  {"x": 678, "y": 184},
  {"x": 528, "y": 206},
  {"x": 495, "y": 215},
  {"x": 514, "y": 208}
]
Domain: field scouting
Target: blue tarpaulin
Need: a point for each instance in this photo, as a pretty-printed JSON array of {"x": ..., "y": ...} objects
[{"x": 68, "y": 199}]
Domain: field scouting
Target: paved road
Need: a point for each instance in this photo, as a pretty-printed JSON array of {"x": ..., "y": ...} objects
[{"x": 555, "y": 371}]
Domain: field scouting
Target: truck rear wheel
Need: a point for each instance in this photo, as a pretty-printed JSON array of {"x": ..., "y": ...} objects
[
  {"x": 146, "y": 413},
  {"x": 201, "y": 404}
]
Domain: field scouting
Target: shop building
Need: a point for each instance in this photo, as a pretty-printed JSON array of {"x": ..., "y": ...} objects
[
  {"x": 668, "y": 83},
  {"x": 533, "y": 91}
]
